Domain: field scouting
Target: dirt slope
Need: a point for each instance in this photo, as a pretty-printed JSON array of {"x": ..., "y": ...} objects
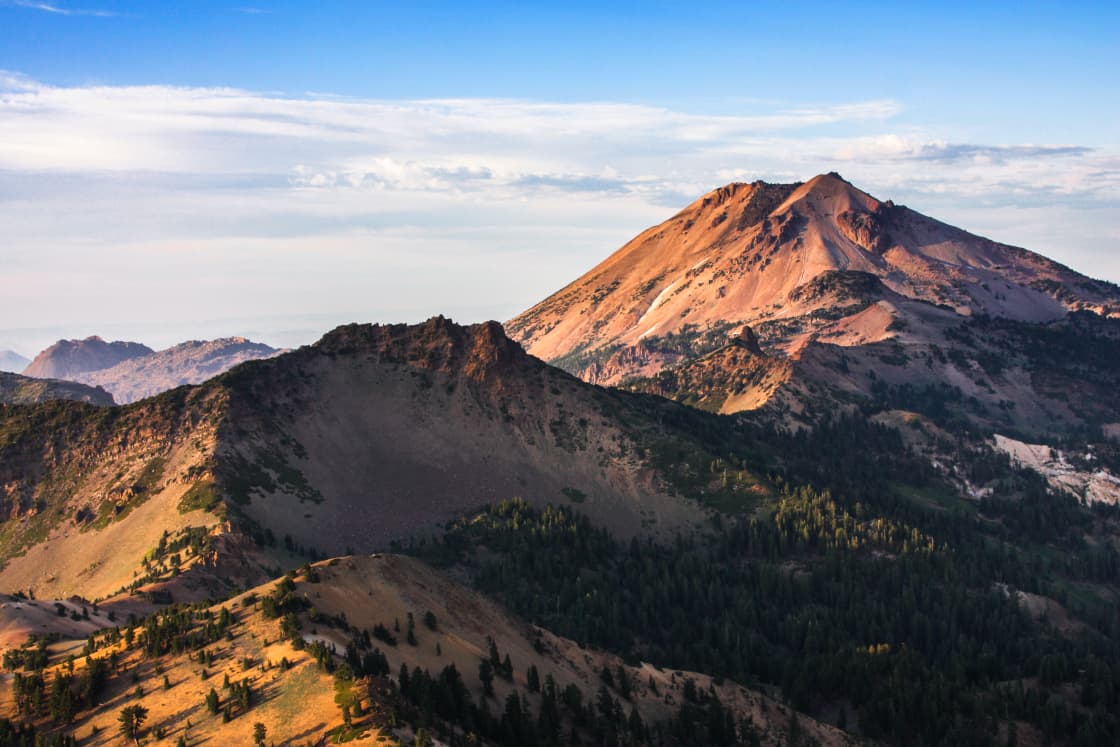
[
  {"x": 86, "y": 492},
  {"x": 400, "y": 427}
]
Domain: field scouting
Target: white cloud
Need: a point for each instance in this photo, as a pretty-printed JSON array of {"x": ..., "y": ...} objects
[
  {"x": 59, "y": 9},
  {"x": 174, "y": 191}
]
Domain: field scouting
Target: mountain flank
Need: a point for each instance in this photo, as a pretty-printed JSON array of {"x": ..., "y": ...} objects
[
  {"x": 309, "y": 656},
  {"x": 24, "y": 390},
  {"x": 374, "y": 434}
]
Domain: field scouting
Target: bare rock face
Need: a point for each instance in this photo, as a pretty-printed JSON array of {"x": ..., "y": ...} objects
[
  {"x": 749, "y": 340},
  {"x": 66, "y": 359}
]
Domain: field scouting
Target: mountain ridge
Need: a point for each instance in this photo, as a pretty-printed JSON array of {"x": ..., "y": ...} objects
[
  {"x": 375, "y": 433},
  {"x": 67, "y": 358},
  {"x": 190, "y": 362}
]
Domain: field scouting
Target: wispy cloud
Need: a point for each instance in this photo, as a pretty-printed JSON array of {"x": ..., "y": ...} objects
[
  {"x": 500, "y": 147},
  {"x": 911, "y": 148},
  {"x": 60, "y": 10},
  {"x": 994, "y": 153},
  {"x": 251, "y": 11},
  {"x": 402, "y": 208},
  {"x": 322, "y": 141}
]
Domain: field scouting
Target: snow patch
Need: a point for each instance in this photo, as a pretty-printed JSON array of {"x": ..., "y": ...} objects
[
  {"x": 1097, "y": 486},
  {"x": 656, "y": 302},
  {"x": 649, "y": 331}
]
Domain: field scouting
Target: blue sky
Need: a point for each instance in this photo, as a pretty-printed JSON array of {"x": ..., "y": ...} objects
[{"x": 276, "y": 168}]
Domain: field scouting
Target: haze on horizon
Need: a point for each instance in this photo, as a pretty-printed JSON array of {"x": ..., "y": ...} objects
[{"x": 272, "y": 171}]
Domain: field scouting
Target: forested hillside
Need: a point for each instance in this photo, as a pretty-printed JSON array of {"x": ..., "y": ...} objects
[{"x": 867, "y": 594}]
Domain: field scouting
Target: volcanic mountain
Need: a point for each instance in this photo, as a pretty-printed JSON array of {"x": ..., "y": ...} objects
[
  {"x": 68, "y": 358},
  {"x": 187, "y": 363},
  {"x": 820, "y": 273},
  {"x": 373, "y": 434}
]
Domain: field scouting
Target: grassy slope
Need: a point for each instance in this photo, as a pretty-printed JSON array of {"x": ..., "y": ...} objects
[{"x": 296, "y": 704}]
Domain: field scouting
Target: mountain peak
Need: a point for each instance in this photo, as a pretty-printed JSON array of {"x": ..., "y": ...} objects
[
  {"x": 477, "y": 351},
  {"x": 747, "y": 253},
  {"x": 831, "y": 194},
  {"x": 737, "y": 205}
]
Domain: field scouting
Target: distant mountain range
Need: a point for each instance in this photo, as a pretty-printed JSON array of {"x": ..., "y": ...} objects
[
  {"x": 12, "y": 362},
  {"x": 131, "y": 371},
  {"x": 187, "y": 363},
  {"x": 69, "y": 358}
]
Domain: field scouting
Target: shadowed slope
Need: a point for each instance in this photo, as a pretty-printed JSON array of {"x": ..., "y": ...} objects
[{"x": 372, "y": 434}]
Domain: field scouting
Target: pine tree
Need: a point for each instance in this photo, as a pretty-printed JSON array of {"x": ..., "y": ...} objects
[
  {"x": 410, "y": 635},
  {"x": 486, "y": 676},
  {"x": 131, "y": 718}
]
